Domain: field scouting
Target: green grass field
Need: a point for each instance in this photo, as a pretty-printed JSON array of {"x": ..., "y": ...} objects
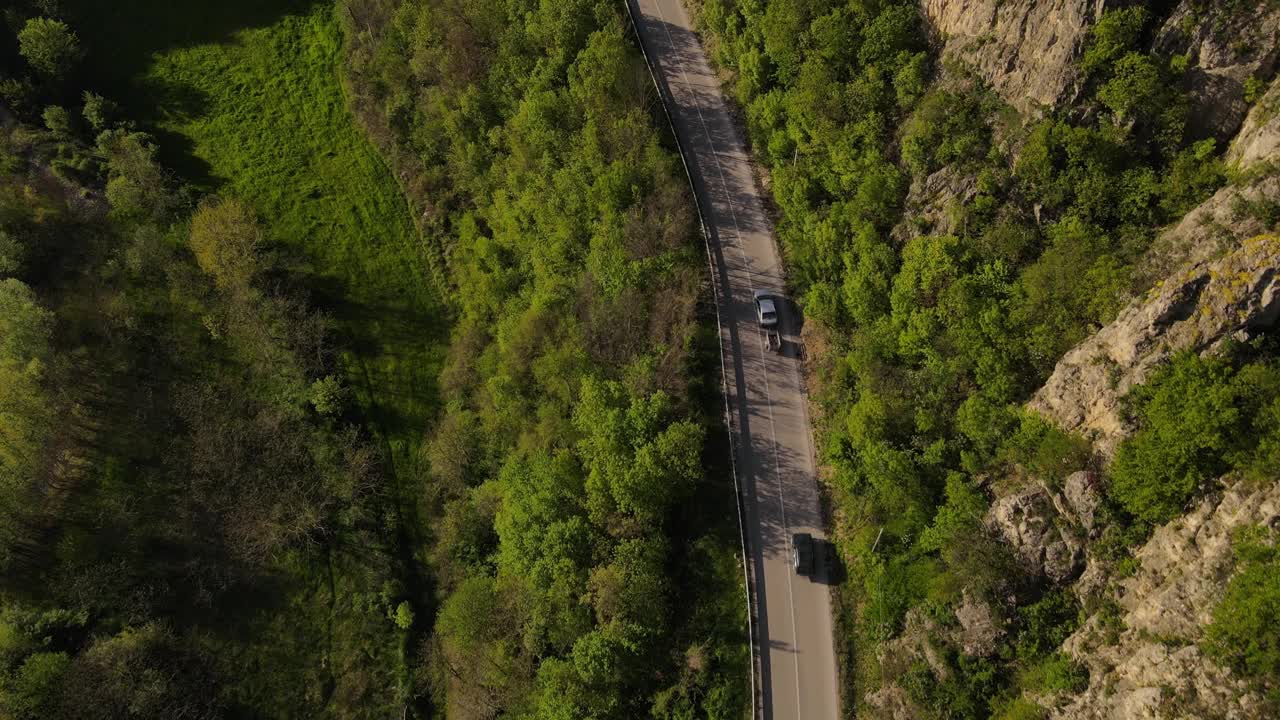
[{"x": 245, "y": 100}]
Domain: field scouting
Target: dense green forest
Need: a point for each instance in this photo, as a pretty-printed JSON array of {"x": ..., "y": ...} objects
[
  {"x": 928, "y": 343},
  {"x": 289, "y": 433},
  {"x": 568, "y": 467},
  {"x": 357, "y": 358}
]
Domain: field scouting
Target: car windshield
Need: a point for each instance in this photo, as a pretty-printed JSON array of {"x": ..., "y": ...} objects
[{"x": 768, "y": 315}]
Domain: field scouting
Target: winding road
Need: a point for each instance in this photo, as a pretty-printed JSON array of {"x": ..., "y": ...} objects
[{"x": 768, "y": 413}]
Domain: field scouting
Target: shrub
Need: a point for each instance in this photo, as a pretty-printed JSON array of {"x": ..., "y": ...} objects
[
  {"x": 1253, "y": 89},
  {"x": 1193, "y": 174},
  {"x": 1184, "y": 414},
  {"x": 1112, "y": 37},
  {"x": 1243, "y": 631},
  {"x": 403, "y": 615},
  {"x": 225, "y": 237},
  {"x": 1136, "y": 86},
  {"x": 1055, "y": 673},
  {"x": 98, "y": 111},
  {"x": 12, "y": 254},
  {"x": 32, "y": 692},
  {"x": 1046, "y": 451},
  {"x": 59, "y": 121},
  {"x": 1197, "y": 419},
  {"x": 49, "y": 46},
  {"x": 328, "y": 395},
  {"x": 1047, "y": 623},
  {"x": 946, "y": 128},
  {"x": 1019, "y": 709}
]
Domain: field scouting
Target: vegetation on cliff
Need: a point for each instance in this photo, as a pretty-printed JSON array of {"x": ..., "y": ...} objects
[{"x": 937, "y": 319}]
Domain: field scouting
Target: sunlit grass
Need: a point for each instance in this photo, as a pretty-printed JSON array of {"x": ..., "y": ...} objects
[{"x": 246, "y": 100}]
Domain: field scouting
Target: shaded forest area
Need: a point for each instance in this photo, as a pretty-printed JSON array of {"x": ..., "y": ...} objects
[
  {"x": 271, "y": 448},
  {"x": 196, "y": 522}
]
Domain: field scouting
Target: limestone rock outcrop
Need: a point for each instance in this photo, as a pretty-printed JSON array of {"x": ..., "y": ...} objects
[
  {"x": 1218, "y": 225},
  {"x": 915, "y": 643},
  {"x": 934, "y": 204},
  {"x": 981, "y": 628},
  {"x": 1081, "y": 497},
  {"x": 1143, "y": 656},
  {"x": 1196, "y": 309},
  {"x": 1026, "y": 49},
  {"x": 1049, "y": 544},
  {"x": 1228, "y": 43},
  {"x": 1259, "y": 138}
]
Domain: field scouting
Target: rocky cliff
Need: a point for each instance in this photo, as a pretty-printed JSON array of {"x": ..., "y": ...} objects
[
  {"x": 935, "y": 204},
  {"x": 1259, "y": 138},
  {"x": 1196, "y": 309},
  {"x": 1220, "y": 224},
  {"x": 1026, "y": 49},
  {"x": 1141, "y": 651},
  {"x": 1047, "y": 527},
  {"x": 1228, "y": 44}
]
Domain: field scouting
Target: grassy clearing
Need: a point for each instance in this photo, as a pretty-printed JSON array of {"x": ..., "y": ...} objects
[{"x": 245, "y": 99}]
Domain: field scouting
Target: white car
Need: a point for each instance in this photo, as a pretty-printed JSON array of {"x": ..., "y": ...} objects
[{"x": 766, "y": 309}]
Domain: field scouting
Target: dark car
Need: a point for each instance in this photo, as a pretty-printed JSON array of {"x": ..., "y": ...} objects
[{"x": 802, "y": 553}]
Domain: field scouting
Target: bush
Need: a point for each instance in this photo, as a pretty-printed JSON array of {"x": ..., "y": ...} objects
[
  {"x": 1056, "y": 673},
  {"x": 328, "y": 395},
  {"x": 1047, "y": 623},
  {"x": 59, "y": 121},
  {"x": 1243, "y": 631},
  {"x": 1046, "y": 451},
  {"x": 225, "y": 237},
  {"x": 1112, "y": 37},
  {"x": 1019, "y": 709},
  {"x": 946, "y": 128},
  {"x": 1194, "y": 173},
  {"x": 13, "y": 253},
  {"x": 1197, "y": 419},
  {"x": 403, "y": 615},
  {"x": 32, "y": 692},
  {"x": 49, "y": 46},
  {"x": 1077, "y": 283},
  {"x": 98, "y": 111},
  {"x": 965, "y": 693},
  {"x": 27, "y": 413},
  {"x": 1135, "y": 86}
]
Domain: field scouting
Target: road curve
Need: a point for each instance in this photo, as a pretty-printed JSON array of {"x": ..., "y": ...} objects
[{"x": 768, "y": 412}]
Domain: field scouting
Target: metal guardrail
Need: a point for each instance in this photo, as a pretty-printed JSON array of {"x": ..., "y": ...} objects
[{"x": 748, "y": 576}]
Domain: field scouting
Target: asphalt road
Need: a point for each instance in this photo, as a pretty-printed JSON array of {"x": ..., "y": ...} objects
[{"x": 766, "y": 396}]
